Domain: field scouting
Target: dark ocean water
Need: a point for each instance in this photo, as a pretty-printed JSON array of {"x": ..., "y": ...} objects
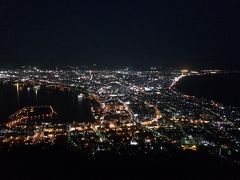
[
  {"x": 223, "y": 88},
  {"x": 65, "y": 103}
]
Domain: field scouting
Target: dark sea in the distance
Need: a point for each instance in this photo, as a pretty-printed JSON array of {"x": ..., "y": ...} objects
[{"x": 222, "y": 88}]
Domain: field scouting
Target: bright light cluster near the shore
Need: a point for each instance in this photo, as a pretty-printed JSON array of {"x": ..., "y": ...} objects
[{"x": 138, "y": 110}]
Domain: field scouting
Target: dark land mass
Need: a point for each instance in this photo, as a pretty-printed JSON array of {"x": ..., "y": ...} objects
[
  {"x": 57, "y": 164},
  {"x": 223, "y": 88}
]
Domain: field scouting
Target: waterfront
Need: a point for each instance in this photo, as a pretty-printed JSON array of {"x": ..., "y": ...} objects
[
  {"x": 223, "y": 88},
  {"x": 65, "y": 103},
  {"x": 136, "y": 112}
]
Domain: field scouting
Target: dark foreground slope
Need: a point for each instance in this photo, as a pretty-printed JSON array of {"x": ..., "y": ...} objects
[{"x": 64, "y": 165}]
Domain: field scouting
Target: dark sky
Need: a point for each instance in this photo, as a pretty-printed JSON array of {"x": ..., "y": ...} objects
[{"x": 119, "y": 32}]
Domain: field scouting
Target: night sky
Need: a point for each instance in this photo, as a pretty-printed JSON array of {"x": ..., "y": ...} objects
[{"x": 117, "y": 32}]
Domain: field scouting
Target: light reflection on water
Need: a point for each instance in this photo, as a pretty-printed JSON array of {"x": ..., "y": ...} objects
[{"x": 65, "y": 103}]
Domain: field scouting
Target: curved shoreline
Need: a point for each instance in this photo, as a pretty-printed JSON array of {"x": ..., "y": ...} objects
[
  {"x": 220, "y": 88},
  {"x": 28, "y": 91}
]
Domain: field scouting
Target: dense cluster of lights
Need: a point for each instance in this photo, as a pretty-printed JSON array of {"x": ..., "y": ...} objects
[{"x": 137, "y": 111}]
